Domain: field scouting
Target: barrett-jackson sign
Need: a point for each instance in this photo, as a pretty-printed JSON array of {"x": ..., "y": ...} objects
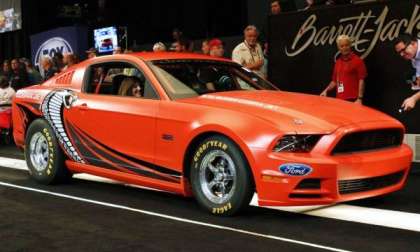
[
  {"x": 366, "y": 29},
  {"x": 303, "y": 50}
]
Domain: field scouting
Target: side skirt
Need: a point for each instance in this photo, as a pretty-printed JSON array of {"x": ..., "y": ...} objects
[{"x": 182, "y": 188}]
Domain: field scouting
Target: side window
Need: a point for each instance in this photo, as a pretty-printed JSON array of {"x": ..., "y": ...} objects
[{"x": 120, "y": 79}]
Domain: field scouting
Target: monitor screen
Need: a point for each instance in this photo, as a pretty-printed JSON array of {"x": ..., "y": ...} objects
[
  {"x": 10, "y": 16},
  {"x": 106, "y": 39}
]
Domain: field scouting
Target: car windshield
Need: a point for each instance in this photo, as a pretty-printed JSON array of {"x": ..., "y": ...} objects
[{"x": 191, "y": 78}]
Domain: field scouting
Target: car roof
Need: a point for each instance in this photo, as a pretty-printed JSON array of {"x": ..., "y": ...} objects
[
  {"x": 151, "y": 56},
  {"x": 154, "y": 56}
]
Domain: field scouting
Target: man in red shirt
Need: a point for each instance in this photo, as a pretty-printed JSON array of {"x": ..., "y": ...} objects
[{"x": 349, "y": 73}]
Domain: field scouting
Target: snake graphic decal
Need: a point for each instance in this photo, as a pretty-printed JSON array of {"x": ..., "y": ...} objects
[
  {"x": 81, "y": 148},
  {"x": 52, "y": 109}
]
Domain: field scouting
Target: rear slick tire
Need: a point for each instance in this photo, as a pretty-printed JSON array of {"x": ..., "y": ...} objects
[{"x": 43, "y": 154}]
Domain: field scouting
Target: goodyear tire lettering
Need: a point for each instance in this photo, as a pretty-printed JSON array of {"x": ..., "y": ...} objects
[
  {"x": 205, "y": 146},
  {"x": 51, "y": 151},
  {"x": 222, "y": 209}
]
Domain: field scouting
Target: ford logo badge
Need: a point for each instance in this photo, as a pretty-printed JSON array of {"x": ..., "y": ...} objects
[{"x": 295, "y": 169}]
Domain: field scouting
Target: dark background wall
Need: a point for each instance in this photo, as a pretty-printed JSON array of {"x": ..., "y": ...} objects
[
  {"x": 309, "y": 70},
  {"x": 154, "y": 21},
  {"x": 146, "y": 23}
]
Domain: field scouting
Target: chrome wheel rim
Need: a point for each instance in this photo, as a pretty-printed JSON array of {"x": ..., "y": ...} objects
[
  {"x": 39, "y": 152},
  {"x": 217, "y": 176}
]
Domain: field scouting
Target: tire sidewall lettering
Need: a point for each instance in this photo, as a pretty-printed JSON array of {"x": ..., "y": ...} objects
[
  {"x": 222, "y": 209},
  {"x": 49, "y": 170},
  {"x": 208, "y": 144}
]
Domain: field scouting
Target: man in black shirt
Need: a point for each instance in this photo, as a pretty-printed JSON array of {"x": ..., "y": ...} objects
[
  {"x": 6, "y": 69},
  {"x": 19, "y": 77},
  {"x": 275, "y": 9}
]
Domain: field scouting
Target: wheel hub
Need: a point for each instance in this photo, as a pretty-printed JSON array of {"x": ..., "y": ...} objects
[
  {"x": 38, "y": 151},
  {"x": 217, "y": 176}
]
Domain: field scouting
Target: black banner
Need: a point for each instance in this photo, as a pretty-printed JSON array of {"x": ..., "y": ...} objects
[{"x": 303, "y": 49}]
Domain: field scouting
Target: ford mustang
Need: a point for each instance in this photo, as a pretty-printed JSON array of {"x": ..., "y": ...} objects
[{"x": 208, "y": 128}]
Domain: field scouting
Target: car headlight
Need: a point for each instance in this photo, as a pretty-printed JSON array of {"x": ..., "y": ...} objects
[{"x": 296, "y": 143}]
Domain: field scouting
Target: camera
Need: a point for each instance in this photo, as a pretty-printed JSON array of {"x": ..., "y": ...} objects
[{"x": 413, "y": 83}]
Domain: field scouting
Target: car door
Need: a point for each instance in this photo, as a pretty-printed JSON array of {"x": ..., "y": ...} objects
[{"x": 111, "y": 131}]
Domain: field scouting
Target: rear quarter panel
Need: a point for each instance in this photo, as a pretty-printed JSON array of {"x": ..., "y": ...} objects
[{"x": 26, "y": 105}]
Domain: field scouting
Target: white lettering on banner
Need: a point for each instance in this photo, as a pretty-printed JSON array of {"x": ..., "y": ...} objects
[
  {"x": 50, "y": 48},
  {"x": 365, "y": 37}
]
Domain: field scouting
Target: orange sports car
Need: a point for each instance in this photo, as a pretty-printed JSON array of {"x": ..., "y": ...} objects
[{"x": 208, "y": 128}]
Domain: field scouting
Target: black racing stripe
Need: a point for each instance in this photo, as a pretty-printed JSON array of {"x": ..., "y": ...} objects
[
  {"x": 23, "y": 115},
  {"x": 135, "y": 160},
  {"x": 99, "y": 161},
  {"x": 35, "y": 106},
  {"x": 81, "y": 139},
  {"x": 126, "y": 165},
  {"x": 87, "y": 154}
]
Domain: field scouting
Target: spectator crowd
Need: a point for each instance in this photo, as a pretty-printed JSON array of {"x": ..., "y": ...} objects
[
  {"x": 251, "y": 53},
  {"x": 19, "y": 73}
]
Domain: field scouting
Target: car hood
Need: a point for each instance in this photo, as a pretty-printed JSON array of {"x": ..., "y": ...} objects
[{"x": 292, "y": 111}]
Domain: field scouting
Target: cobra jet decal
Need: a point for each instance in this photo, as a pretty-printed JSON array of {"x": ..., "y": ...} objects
[
  {"x": 52, "y": 109},
  {"x": 107, "y": 158},
  {"x": 89, "y": 156}
]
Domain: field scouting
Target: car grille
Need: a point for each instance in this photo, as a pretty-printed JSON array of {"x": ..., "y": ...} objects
[
  {"x": 309, "y": 184},
  {"x": 362, "y": 185},
  {"x": 369, "y": 140}
]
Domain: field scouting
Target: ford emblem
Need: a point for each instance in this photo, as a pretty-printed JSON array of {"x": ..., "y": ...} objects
[{"x": 295, "y": 169}]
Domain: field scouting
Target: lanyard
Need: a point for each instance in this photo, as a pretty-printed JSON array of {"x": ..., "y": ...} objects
[{"x": 250, "y": 49}]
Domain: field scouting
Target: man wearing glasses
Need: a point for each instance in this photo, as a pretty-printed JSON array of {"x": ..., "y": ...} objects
[{"x": 408, "y": 48}]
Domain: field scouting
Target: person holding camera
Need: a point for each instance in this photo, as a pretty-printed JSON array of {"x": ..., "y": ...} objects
[{"x": 408, "y": 48}]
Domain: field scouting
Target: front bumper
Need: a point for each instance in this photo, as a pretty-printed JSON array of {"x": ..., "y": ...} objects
[{"x": 334, "y": 178}]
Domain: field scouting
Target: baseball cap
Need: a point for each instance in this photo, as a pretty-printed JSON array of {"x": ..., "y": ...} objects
[{"x": 215, "y": 42}]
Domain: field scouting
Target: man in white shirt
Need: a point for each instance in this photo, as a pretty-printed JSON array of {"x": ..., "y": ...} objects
[
  {"x": 6, "y": 92},
  {"x": 408, "y": 48},
  {"x": 249, "y": 53}
]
